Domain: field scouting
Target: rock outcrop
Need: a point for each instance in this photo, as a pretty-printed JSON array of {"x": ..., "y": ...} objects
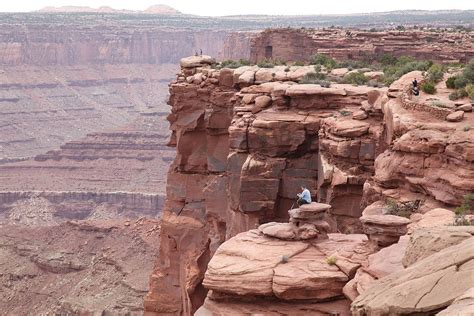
[
  {"x": 280, "y": 135},
  {"x": 426, "y": 286}
]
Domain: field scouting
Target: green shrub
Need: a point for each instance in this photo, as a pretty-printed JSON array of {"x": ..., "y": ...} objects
[
  {"x": 450, "y": 82},
  {"x": 453, "y": 96},
  {"x": 331, "y": 261},
  {"x": 266, "y": 63},
  {"x": 468, "y": 72},
  {"x": 357, "y": 78},
  {"x": 230, "y": 64},
  {"x": 403, "y": 209},
  {"x": 460, "y": 82},
  {"x": 435, "y": 73},
  {"x": 323, "y": 60},
  {"x": 387, "y": 59},
  {"x": 470, "y": 91},
  {"x": 345, "y": 112},
  {"x": 245, "y": 62},
  {"x": 298, "y": 63},
  {"x": 404, "y": 64},
  {"x": 428, "y": 87},
  {"x": 466, "y": 207}
]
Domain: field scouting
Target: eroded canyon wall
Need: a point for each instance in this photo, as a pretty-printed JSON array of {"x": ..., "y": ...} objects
[
  {"x": 300, "y": 44},
  {"x": 280, "y": 135}
]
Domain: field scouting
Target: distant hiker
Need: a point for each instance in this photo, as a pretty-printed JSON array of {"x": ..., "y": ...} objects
[
  {"x": 201, "y": 52},
  {"x": 304, "y": 197},
  {"x": 196, "y": 53},
  {"x": 415, "y": 83}
]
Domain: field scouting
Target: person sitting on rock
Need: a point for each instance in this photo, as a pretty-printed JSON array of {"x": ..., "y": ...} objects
[
  {"x": 304, "y": 197},
  {"x": 415, "y": 83}
]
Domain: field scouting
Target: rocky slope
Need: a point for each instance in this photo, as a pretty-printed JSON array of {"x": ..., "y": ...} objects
[
  {"x": 77, "y": 267},
  {"x": 280, "y": 135}
]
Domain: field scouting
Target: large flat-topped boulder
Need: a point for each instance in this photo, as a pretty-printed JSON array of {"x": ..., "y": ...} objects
[
  {"x": 252, "y": 264},
  {"x": 384, "y": 229},
  {"x": 196, "y": 61},
  {"x": 311, "y": 210},
  {"x": 313, "y": 89}
]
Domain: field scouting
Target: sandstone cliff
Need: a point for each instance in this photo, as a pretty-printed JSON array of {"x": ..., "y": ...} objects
[{"x": 246, "y": 139}]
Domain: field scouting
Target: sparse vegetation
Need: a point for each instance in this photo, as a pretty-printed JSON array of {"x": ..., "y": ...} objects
[
  {"x": 356, "y": 78},
  {"x": 316, "y": 78},
  {"x": 345, "y": 112},
  {"x": 298, "y": 63},
  {"x": 428, "y": 87},
  {"x": 331, "y": 260},
  {"x": 435, "y": 73},
  {"x": 463, "y": 83},
  {"x": 284, "y": 259},
  {"x": 323, "y": 60},
  {"x": 466, "y": 207},
  {"x": 403, "y": 65},
  {"x": 403, "y": 209}
]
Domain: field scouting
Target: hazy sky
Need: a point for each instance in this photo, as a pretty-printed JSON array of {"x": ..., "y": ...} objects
[{"x": 231, "y": 7}]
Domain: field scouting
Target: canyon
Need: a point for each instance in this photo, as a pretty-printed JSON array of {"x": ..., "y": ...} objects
[{"x": 98, "y": 192}]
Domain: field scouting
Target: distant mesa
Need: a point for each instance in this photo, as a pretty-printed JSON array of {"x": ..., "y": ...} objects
[{"x": 155, "y": 9}]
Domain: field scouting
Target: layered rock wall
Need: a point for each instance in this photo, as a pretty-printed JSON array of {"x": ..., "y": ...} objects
[{"x": 301, "y": 44}]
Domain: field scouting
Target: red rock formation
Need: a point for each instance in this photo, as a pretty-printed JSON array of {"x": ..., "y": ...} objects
[
  {"x": 301, "y": 44},
  {"x": 280, "y": 135}
]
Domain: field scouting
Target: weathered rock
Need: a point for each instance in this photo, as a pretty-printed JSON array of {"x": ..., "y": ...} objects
[
  {"x": 428, "y": 241},
  {"x": 384, "y": 229},
  {"x": 360, "y": 115},
  {"x": 289, "y": 231},
  {"x": 196, "y": 61},
  {"x": 426, "y": 286},
  {"x": 263, "y": 101},
  {"x": 433, "y": 218},
  {"x": 462, "y": 306},
  {"x": 465, "y": 107},
  {"x": 455, "y": 116}
]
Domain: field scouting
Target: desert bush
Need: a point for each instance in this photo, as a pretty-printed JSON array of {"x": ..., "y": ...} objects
[
  {"x": 315, "y": 78},
  {"x": 428, "y": 87},
  {"x": 266, "y": 63},
  {"x": 468, "y": 72},
  {"x": 345, "y": 112},
  {"x": 403, "y": 209},
  {"x": 284, "y": 259},
  {"x": 470, "y": 91},
  {"x": 230, "y": 64},
  {"x": 460, "y": 82},
  {"x": 404, "y": 65},
  {"x": 323, "y": 60},
  {"x": 435, "y": 73},
  {"x": 331, "y": 260},
  {"x": 466, "y": 207},
  {"x": 357, "y": 78},
  {"x": 298, "y": 63},
  {"x": 375, "y": 84},
  {"x": 387, "y": 59},
  {"x": 450, "y": 82}
]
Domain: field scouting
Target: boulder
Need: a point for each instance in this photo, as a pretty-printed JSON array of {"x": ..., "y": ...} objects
[
  {"x": 263, "y": 101},
  {"x": 426, "y": 286},
  {"x": 455, "y": 116},
  {"x": 465, "y": 107},
  {"x": 289, "y": 231},
  {"x": 384, "y": 229},
  {"x": 360, "y": 115},
  {"x": 428, "y": 241},
  {"x": 433, "y": 218},
  {"x": 196, "y": 61},
  {"x": 462, "y": 306}
]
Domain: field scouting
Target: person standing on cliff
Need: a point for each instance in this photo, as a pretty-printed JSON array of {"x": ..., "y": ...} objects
[{"x": 304, "y": 197}]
